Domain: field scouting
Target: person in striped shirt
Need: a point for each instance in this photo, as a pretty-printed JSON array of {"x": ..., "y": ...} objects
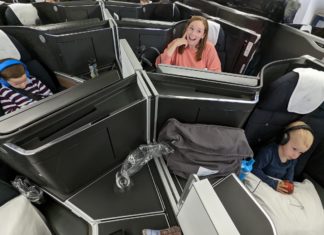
[{"x": 18, "y": 89}]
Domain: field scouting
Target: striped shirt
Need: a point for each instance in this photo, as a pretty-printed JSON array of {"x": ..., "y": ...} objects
[{"x": 11, "y": 100}]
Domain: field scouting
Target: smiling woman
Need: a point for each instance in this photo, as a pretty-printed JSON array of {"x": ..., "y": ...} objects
[{"x": 192, "y": 49}]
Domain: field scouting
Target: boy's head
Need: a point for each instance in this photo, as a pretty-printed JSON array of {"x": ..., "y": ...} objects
[
  {"x": 297, "y": 139},
  {"x": 13, "y": 72}
]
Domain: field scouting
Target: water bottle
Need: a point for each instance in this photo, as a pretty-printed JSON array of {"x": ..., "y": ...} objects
[
  {"x": 92, "y": 63},
  {"x": 136, "y": 160},
  {"x": 246, "y": 167}
]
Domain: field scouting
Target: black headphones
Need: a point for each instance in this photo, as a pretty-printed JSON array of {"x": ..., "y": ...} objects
[{"x": 285, "y": 136}]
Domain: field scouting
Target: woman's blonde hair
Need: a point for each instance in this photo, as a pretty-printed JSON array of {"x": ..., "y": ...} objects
[{"x": 202, "y": 42}]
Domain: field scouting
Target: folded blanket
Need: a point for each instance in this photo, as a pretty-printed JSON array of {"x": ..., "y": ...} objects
[
  {"x": 299, "y": 213},
  {"x": 19, "y": 216}
]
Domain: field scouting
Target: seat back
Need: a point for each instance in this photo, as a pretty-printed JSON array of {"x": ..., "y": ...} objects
[
  {"x": 254, "y": 22},
  {"x": 3, "y": 8},
  {"x": 273, "y": 10},
  {"x": 22, "y": 14},
  {"x": 161, "y": 11},
  {"x": 67, "y": 49},
  {"x": 125, "y": 9},
  {"x": 147, "y": 38}
]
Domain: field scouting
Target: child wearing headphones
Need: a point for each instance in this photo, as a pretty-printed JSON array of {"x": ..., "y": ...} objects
[
  {"x": 275, "y": 163},
  {"x": 18, "y": 89}
]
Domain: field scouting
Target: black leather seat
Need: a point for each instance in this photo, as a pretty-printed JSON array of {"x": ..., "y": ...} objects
[{"x": 3, "y": 8}]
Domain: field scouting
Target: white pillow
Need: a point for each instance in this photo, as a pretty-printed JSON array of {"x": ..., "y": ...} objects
[
  {"x": 19, "y": 216},
  {"x": 7, "y": 48},
  {"x": 213, "y": 31},
  {"x": 25, "y": 12}
]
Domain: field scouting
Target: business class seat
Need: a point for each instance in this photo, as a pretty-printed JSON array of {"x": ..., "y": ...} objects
[
  {"x": 270, "y": 115},
  {"x": 22, "y": 14},
  {"x": 41, "y": 13},
  {"x": 14, "y": 49},
  {"x": 216, "y": 35},
  {"x": 17, "y": 51}
]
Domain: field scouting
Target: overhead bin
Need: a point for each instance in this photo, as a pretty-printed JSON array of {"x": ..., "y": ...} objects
[{"x": 66, "y": 141}]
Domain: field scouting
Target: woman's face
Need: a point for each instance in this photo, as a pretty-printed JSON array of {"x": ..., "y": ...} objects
[{"x": 194, "y": 33}]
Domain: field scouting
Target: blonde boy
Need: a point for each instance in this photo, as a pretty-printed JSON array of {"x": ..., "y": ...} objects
[{"x": 276, "y": 162}]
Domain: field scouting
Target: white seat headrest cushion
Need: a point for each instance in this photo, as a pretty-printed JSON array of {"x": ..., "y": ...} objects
[
  {"x": 25, "y": 12},
  {"x": 213, "y": 31},
  {"x": 7, "y": 48}
]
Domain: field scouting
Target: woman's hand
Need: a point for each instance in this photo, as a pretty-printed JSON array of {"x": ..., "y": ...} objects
[
  {"x": 177, "y": 43},
  {"x": 181, "y": 41}
]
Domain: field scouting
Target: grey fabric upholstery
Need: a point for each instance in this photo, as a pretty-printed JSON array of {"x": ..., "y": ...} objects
[{"x": 200, "y": 147}]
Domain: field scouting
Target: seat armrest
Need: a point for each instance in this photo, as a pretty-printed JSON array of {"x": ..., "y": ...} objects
[{"x": 67, "y": 81}]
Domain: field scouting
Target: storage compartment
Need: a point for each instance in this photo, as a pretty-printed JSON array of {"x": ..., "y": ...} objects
[
  {"x": 107, "y": 203},
  {"x": 133, "y": 226},
  {"x": 199, "y": 100},
  {"x": 67, "y": 49},
  {"x": 90, "y": 136}
]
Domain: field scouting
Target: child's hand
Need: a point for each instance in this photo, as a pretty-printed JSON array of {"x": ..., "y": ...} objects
[{"x": 282, "y": 187}]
